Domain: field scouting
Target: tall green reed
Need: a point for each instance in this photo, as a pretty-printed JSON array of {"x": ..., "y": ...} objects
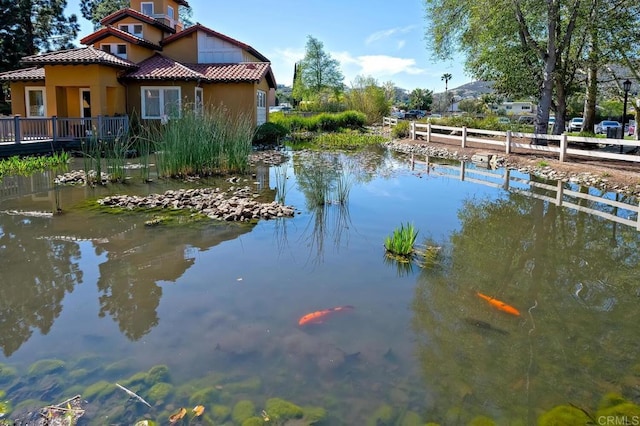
[{"x": 202, "y": 143}]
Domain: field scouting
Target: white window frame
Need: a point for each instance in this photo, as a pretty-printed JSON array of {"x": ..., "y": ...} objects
[
  {"x": 131, "y": 29},
  {"x": 27, "y": 91},
  {"x": 261, "y": 99},
  {"x": 113, "y": 49},
  {"x": 145, "y": 3},
  {"x": 198, "y": 104},
  {"x": 171, "y": 13},
  {"x": 163, "y": 113}
]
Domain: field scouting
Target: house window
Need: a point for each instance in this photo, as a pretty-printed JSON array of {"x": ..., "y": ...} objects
[
  {"x": 170, "y": 12},
  {"x": 262, "y": 99},
  {"x": 146, "y": 8},
  {"x": 35, "y": 101},
  {"x": 158, "y": 102},
  {"x": 134, "y": 29},
  {"x": 119, "y": 50},
  {"x": 527, "y": 107},
  {"x": 199, "y": 101}
]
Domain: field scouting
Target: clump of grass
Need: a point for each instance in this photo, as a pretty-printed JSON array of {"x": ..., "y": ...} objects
[
  {"x": 401, "y": 242},
  {"x": 211, "y": 142},
  {"x": 28, "y": 165},
  {"x": 542, "y": 163},
  {"x": 347, "y": 140}
]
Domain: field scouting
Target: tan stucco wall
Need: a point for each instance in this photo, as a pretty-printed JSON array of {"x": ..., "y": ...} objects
[
  {"x": 149, "y": 32},
  {"x": 184, "y": 49},
  {"x": 63, "y": 84},
  {"x": 237, "y": 98},
  {"x": 135, "y": 53}
]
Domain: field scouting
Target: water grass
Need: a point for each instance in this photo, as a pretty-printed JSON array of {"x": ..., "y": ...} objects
[
  {"x": 207, "y": 143},
  {"x": 280, "y": 175},
  {"x": 400, "y": 243},
  {"x": 347, "y": 140},
  {"x": 28, "y": 165}
]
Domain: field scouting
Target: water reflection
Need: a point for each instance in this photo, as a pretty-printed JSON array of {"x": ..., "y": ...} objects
[{"x": 558, "y": 268}]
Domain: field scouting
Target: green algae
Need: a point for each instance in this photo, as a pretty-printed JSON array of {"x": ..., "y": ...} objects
[
  {"x": 279, "y": 409},
  {"x": 157, "y": 374},
  {"x": 159, "y": 392},
  {"x": 45, "y": 366},
  {"x": 563, "y": 415},
  {"x": 242, "y": 411},
  {"x": 220, "y": 413},
  {"x": 384, "y": 415}
]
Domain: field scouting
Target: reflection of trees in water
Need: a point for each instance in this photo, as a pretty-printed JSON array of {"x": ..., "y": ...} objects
[
  {"x": 31, "y": 296},
  {"x": 575, "y": 339}
]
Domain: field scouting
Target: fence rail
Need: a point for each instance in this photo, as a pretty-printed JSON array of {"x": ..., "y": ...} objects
[
  {"x": 561, "y": 144},
  {"x": 558, "y": 193},
  {"x": 17, "y": 130}
]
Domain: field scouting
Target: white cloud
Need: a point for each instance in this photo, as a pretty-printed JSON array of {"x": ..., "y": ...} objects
[
  {"x": 376, "y": 66},
  {"x": 381, "y": 35}
]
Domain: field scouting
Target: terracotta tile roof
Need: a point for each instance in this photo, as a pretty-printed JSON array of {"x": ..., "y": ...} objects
[
  {"x": 25, "y": 74},
  {"x": 128, "y": 12},
  {"x": 159, "y": 67},
  {"x": 79, "y": 56},
  {"x": 199, "y": 27},
  {"x": 122, "y": 35}
]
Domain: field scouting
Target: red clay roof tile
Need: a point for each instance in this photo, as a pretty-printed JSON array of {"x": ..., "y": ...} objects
[
  {"x": 25, "y": 74},
  {"x": 82, "y": 55}
]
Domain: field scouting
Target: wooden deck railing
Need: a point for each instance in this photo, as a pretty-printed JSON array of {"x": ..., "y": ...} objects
[{"x": 17, "y": 130}]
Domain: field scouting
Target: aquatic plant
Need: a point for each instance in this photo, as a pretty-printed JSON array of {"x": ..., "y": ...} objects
[
  {"x": 401, "y": 241},
  {"x": 29, "y": 165},
  {"x": 347, "y": 140},
  {"x": 242, "y": 411},
  {"x": 280, "y": 175},
  {"x": 204, "y": 144}
]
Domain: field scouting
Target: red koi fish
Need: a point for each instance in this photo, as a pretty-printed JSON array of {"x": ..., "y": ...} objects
[
  {"x": 318, "y": 317},
  {"x": 498, "y": 304}
]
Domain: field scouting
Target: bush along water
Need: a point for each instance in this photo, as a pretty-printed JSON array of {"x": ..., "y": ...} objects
[{"x": 325, "y": 122}]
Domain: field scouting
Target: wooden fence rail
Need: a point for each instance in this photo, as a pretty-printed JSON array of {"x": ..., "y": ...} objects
[{"x": 561, "y": 145}]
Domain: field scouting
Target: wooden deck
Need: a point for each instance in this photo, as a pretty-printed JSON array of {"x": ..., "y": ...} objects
[{"x": 35, "y": 136}]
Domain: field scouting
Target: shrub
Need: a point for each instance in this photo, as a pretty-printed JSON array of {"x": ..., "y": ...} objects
[
  {"x": 269, "y": 133},
  {"x": 352, "y": 119},
  {"x": 401, "y": 242},
  {"x": 401, "y": 130}
]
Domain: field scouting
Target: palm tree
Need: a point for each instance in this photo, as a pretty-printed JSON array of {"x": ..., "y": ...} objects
[{"x": 446, "y": 77}]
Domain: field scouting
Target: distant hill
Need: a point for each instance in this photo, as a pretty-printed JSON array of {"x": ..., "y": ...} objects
[{"x": 472, "y": 90}]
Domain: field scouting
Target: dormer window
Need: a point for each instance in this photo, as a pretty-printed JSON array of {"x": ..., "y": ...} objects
[
  {"x": 146, "y": 8},
  {"x": 119, "y": 50},
  {"x": 135, "y": 29}
]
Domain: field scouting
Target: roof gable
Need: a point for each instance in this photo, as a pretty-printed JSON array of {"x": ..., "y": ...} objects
[
  {"x": 122, "y": 35},
  {"x": 128, "y": 12},
  {"x": 198, "y": 27}
]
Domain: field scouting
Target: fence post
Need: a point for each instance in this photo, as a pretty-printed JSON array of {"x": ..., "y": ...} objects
[
  {"x": 462, "y": 169},
  {"x": 54, "y": 128},
  {"x": 99, "y": 129},
  {"x": 413, "y": 130},
  {"x": 16, "y": 129},
  {"x": 508, "y": 143},
  {"x": 428, "y": 132},
  {"x": 464, "y": 136},
  {"x": 563, "y": 146},
  {"x": 559, "y": 194}
]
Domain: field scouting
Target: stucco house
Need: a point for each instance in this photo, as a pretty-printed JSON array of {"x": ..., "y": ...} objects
[{"x": 143, "y": 61}]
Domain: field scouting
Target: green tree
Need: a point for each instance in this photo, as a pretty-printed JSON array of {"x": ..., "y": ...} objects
[
  {"x": 421, "y": 99},
  {"x": 472, "y": 106},
  {"x": 319, "y": 71},
  {"x": 31, "y": 26},
  {"x": 368, "y": 97}
]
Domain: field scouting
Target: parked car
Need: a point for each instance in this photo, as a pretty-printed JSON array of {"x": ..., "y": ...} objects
[
  {"x": 413, "y": 114},
  {"x": 575, "y": 124},
  {"x": 631, "y": 127},
  {"x": 504, "y": 120},
  {"x": 603, "y": 126},
  {"x": 526, "y": 119},
  {"x": 279, "y": 108}
]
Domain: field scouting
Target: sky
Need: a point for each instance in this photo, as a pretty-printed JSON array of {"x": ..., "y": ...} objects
[{"x": 372, "y": 38}]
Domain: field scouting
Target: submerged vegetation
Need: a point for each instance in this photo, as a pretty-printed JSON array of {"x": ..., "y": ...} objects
[{"x": 28, "y": 165}]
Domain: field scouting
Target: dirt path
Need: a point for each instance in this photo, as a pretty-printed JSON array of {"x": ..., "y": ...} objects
[{"x": 614, "y": 175}]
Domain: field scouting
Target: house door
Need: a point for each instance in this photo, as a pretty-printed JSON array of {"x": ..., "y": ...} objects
[{"x": 85, "y": 103}]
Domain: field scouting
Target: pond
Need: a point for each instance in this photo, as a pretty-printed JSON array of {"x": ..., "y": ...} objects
[{"x": 207, "y": 312}]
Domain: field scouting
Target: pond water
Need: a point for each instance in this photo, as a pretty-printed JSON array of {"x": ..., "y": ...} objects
[{"x": 90, "y": 299}]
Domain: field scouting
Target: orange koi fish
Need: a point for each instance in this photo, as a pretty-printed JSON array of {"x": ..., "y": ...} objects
[
  {"x": 498, "y": 304},
  {"x": 318, "y": 317}
]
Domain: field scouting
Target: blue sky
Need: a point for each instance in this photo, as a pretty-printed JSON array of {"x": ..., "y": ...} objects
[{"x": 368, "y": 37}]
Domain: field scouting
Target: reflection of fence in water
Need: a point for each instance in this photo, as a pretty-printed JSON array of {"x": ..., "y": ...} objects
[{"x": 555, "y": 193}]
